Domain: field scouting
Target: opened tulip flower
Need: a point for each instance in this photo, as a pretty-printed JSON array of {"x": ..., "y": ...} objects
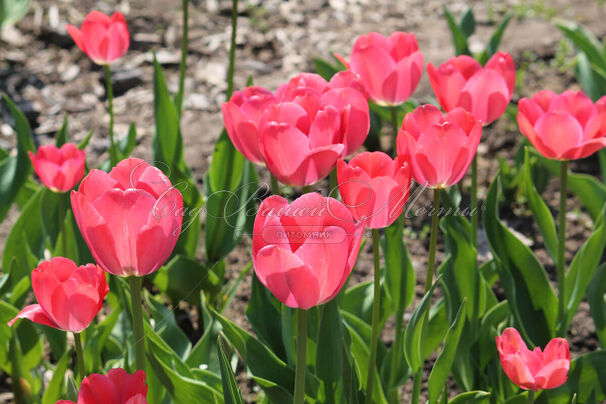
[
  {"x": 483, "y": 91},
  {"x": 130, "y": 218},
  {"x": 533, "y": 370},
  {"x": 390, "y": 68},
  {"x": 242, "y": 116},
  {"x": 103, "y": 38},
  {"x": 303, "y": 252},
  {"x": 568, "y": 126},
  {"x": 116, "y": 387},
  {"x": 374, "y": 187},
  {"x": 60, "y": 169},
  {"x": 439, "y": 147},
  {"x": 69, "y": 297}
]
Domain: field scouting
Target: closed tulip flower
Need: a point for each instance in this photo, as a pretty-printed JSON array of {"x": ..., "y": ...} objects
[
  {"x": 303, "y": 252},
  {"x": 533, "y": 370},
  {"x": 60, "y": 169},
  {"x": 69, "y": 297},
  {"x": 568, "y": 126},
  {"x": 117, "y": 387},
  {"x": 103, "y": 38},
  {"x": 390, "y": 68},
  {"x": 374, "y": 187},
  {"x": 242, "y": 115},
  {"x": 129, "y": 218},
  {"x": 439, "y": 147},
  {"x": 483, "y": 91}
]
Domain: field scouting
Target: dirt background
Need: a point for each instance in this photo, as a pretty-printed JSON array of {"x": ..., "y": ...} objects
[{"x": 42, "y": 70}]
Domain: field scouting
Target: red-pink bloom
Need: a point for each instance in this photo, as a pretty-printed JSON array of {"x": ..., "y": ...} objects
[
  {"x": 103, "y": 38},
  {"x": 439, "y": 147},
  {"x": 303, "y": 252},
  {"x": 483, "y": 91},
  {"x": 533, "y": 370},
  {"x": 389, "y": 67},
  {"x": 242, "y": 116},
  {"x": 130, "y": 218},
  {"x": 374, "y": 187},
  {"x": 117, "y": 387},
  {"x": 69, "y": 297},
  {"x": 568, "y": 126},
  {"x": 59, "y": 169}
]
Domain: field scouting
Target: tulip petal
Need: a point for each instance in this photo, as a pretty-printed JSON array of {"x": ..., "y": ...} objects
[
  {"x": 35, "y": 313},
  {"x": 559, "y": 131}
]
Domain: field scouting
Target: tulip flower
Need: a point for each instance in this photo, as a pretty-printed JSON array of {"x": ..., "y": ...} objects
[
  {"x": 390, "y": 68},
  {"x": 129, "y": 218},
  {"x": 483, "y": 91},
  {"x": 60, "y": 169},
  {"x": 103, "y": 38},
  {"x": 374, "y": 187},
  {"x": 117, "y": 387},
  {"x": 242, "y": 115},
  {"x": 568, "y": 126},
  {"x": 533, "y": 370},
  {"x": 303, "y": 252},
  {"x": 69, "y": 297},
  {"x": 439, "y": 147}
]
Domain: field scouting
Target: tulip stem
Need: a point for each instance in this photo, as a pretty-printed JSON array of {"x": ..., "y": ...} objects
[
  {"x": 530, "y": 397},
  {"x": 306, "y": 189},
  {"x": 416, "y": 386},
  {"x": 374, "y": 339},
  {"x": 183, "y": 64},
  {"x": 232, "y": 49},
  {"x": 333, "y": 185},
  {"x": 16, "y": 370},
  {"x": 135, "y": 294},
  {"x": 301, "y": 356},
  {"x": 394, "y": 128},
  {"x": 79, "y": 357},
  {"x": 275, "y": 187},
  {"x": 62, "y": 214},
  {"x": 562, "y": 249},
  {"x": 113, "y": 153},
  {"x": 474, "y": 201},
  {"x": 431, "y": 260}
]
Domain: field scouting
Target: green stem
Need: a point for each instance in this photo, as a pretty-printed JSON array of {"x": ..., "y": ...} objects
[
  {"x": 183, "y": 64},
  {"x": 16, "y": 371},
  {"x": 397, "y": 348},
  {"x": 394, "y": 128},
  {"x": 530, "y": 397},
  {"x": 113, "y": 155},
  {"x": 79, "y": 357},
  {"x": 474, "y": 201},
  {"x": 62, "y": 214},
  {"x": 275, "y": 187},
  {"x": 416, "y": 386},
  {"x": 137, "y": 306},
  {"x": 301, "y": 356},
  {"x": 561, "y": 270},
  {"x": 376, "y": 305},
  {"x": 431, "y": 260},
  {"x": 232, "y": 49},
  {"x": 306, "y": 189},
  {"x": 333, "y": 186}
]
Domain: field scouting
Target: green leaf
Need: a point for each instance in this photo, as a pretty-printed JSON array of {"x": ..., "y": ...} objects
[
  {"x": 531, "y": 297},
  {"x": 329, "y": 354},
  {"x": 358, "y": 300},
  {"x": 495, "y": 39},
  {"x": 53, "y": 390},
  {"x": 584, "y": 41},
  {"x": 399, "y": 272},
  {"x": 540, "y": 211},
  {"x": 62, "y": 134},
  {"x": 468, "y": 23},
  {"x": 128, "y": 143},
  {"x": 205, "y": 352},
  {"x": 595, "y": 297},
  {"x": 325, "y": 69},
  {"x": 82, "y": 145},
  {"x": 442, "y": 366},
  {"x": 458, "y": 36},
  {"x": 166, "y": 326},
  {"x": 231, "y": 394},
  {"x": 416, "y": 331},
  {"x": 182, "y": 278},
  {"x": 470, "y": 397},
  {"x": 11, "y": 11}
]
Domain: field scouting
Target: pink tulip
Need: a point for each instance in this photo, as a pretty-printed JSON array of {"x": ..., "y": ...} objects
[
  {"x": 129, "y": 218},
  {"x": 483, "y": 91},
  {"x": 69, "y": 297},
  {"x": 390, "y": 68},
  {"x": 242, "y": 116},
  {"x": 117, "y": 387},
  {"x": 374, "y": 187},
  {"x": 568, "y": 126},
  {"x": 533, "y": 370},
  {"x": 59, "y": 169},
  {"x": 303, "y": 252},
  {"x": 104, "y": 39},
  {"x": 439, "y": 147}
]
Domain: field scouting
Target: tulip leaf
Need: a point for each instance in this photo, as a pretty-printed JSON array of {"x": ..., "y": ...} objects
[
  {"x": 532, "y": 299},
  {"x": 62, "y": 134},
  {"x": 468, "y": 23},
  {"x": 204, "y": 352},
  {"x": 358, "y": 300},
  {"x": 53, "y": 390},
  {"x": 540, "y": 211},
  {"x": 416, "y": 332},
  {"x": 128, "y": 142},
  {"x": 442, "y": 366},
  {"x": 329, "y": 353},
  {"x": 595, "y": 296},
  {"x": 182, "y": 278},
  {"x": 11, "y": 11},
  {"x": 458, "y": 36},
  {"x": 583, "y": 267},
  {"x": 231, "y": 394},
  {"x": 325, "y": 69},
  {"x": 584, "y": 41},
  {"x": 586, "y": 379},
  {"x": 15, "y": 169},
  {"x": 82, "y": 145},
  {"x": 471, "y": 397},
  {"x": 495, "y": 39},
  {"x": 166, "y": 326}
]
